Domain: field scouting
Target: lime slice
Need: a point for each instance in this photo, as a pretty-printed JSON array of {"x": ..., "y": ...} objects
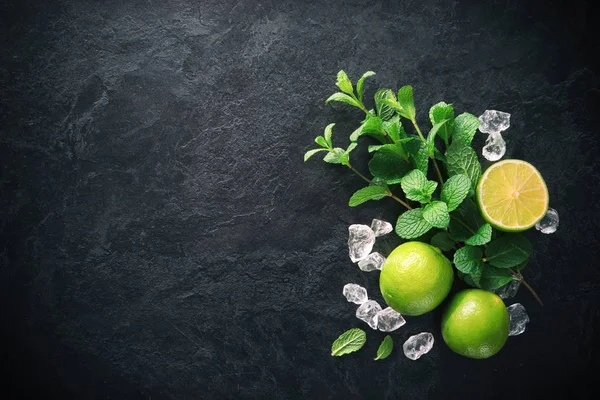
[{"x": 512, "y": 195}]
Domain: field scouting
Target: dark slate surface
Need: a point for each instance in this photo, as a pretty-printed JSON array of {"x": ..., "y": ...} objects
[{"x": 161, "y": 237}]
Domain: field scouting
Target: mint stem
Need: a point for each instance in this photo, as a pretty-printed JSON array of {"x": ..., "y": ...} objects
[
  {"x": 527, "y": 285},
  {"x": 370, "y": 182},
  {"x": 435, "y": 164}
]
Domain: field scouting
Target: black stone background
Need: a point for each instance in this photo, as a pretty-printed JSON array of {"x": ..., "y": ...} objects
[{"x": 161, "y": 237}]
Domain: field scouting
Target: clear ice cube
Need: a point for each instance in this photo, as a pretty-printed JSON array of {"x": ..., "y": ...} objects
[
  {"x": 417, "y": 345},
  {"x": 549, "y": 223},
  {"x": 518, "y": 319},
  {"x": 493, "y": 121},
  {"x": 509, "y": 290},
  {"x": 372, "y": 262},
  {"x": 495, "y": 147},
  {"x": 355, "y": 293},
  {"x": 368, "y": 312},
  {"x": 381, "y": 227},
  {"x": 389, "y": 320},
  {"x": 360, "y": 241}
]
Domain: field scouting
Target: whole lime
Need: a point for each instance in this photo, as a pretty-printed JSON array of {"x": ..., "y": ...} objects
[
  {"x": 475, "y": 323},
  {"x": 415, "y": 278}
]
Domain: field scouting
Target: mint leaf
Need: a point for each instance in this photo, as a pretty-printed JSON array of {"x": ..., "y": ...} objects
[
  {"x": 384, "y": 111},
  {"x": 443, "y": 241},
  {"x": 321, "y": 141},
  {"x": 374, "y": 147},
  {"x": 351, "y": 147},
  {"x": 411, "y": 224},
  {"x": 436, "y": 213},
  {"x": 465, "y": 221},
  {"x": 311, "y": 153},
  {"x": 455, "y": 190},
  {"x": 431, "y": 136},
  {"x": 349, "y": 342},
  {"x": 461, "y": 159},
  {"x": 394, "y": 129},
  {"x": 416, "y": 186},
  {"x": 344, "y": 98},
  {"x": 419, "y": 155},
  {"x": 440, "y": 112},
  {"x": 490, "y": 278},
  {"x": 407, "y": 102},
  {"x": 481, "y": 237},
  {"x": 367, "y": 193},
  {"x": 356, "y": 134},
  {"x": 328, "y": 132},
  {"x": 468, "y": 260},
  {"x": 508, "y": 251},
  {"x": 372, "y": 125},
  {"x": 337, "y": 156},
  {"x": 361, "y": 82},
  {"x": 465, "y": 126},
  {"x": 389, "y": 164},
  {"x": 343, "y": 82},
  {"x": 385, "y": 348}
]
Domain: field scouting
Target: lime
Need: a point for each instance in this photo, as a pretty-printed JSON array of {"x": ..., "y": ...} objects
[
  {"x": 512, "y": 195},
  {"x": 475, "y": 323},
  {"x": 415, "y": 278}
]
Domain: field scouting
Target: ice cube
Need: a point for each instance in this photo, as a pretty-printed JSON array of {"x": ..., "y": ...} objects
[
  {"x": 368, "y": 312},
  {"x": 509, "y": 290},
  {"x": 355, "y": 293},
  {"x": 374, "y": 261},
  {"x": 381, "y": 227},
  {"x": 360, "y": 241},
  {"x": 549, "y": 223},
  {"x": 417, "y": 345},
  {"x": 389, "y": 320},
  {"x": 493, "y": 121},
  {"x": 494, "y": 148},
  {"x": 518, "y": 319}
]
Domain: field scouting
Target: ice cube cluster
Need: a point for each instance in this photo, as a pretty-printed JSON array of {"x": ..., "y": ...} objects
[
  {"x": 369, "y": 311},
  {"x": 493, "y": 122}
]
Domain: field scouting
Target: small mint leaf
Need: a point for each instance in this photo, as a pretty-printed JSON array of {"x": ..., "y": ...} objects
[
  {"x": 455, "y": 190},
  {"x": 436, "y": 213},
  {"x": 344, "y": 98},
  {"x": 407, "y": 102},
  {"x": 490, "y": 278},
  {"x": 337, "y": 156},
  {"x": 367, "y": 193},
  {"x": 389, "y": 164},
  {"x": 440, "y": 112},
  {"x": 416, "y": 186},
  {"x": 481, "y": 237},
  {"x": 508, "y": 251},
  {"x": 349, "y": 342},
  {"x": 361, "y": 82},
  {"x": 465, "y": 126},
  {"x": 343, "y": 82},
  {"x": 431, "y": 136},
  {"x": 321, "y": 141},
  {"x": 351, "y": 147},
  {"x": 328, "y": 132},
  {"x": 385, "y": 348},
  {"x": 467, "y": 260},
  {"x": 311, "y": 153},
  {"x": 461, "y": 159},
  {"x": 384, "y": 111},
  {"x": 411, "y": 224},
  {"x": 443, "y": 241}
]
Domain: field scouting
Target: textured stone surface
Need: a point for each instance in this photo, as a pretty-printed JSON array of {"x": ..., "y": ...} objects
[{"x": 160, "y": 236}]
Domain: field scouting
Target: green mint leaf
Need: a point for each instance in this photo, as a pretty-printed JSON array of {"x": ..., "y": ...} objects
[
  {"x": 367, "y": 193},
  {"x": 311, "y": 153},
  {"x": 455, "y": 190},
  {"x": 327, "y": 133},
  {"x": 373, "y": 125},
  {"x": 337, "y": 156},
  {"x": 431, "y": 136},
  {"x": 348, "y": 342},
  {"x": 394, "y": 129},
  {"x": 436, "y": 213},
  {"x": 344, "y": 98},
  {"x": 385, "y": 348},
  {"x": 411, "y": 224},
  {"x": 361, "y": 82},
  {"x": 321, "y": 141},
  {"x": 356, "y": 134},
  {"x": 439, "y": 155},
  {"x": 416, "y": 186},
  {"x": 374, "y": 147},
  {"x": 351, "y": 147},
  {"x": 465, "y": 221},
  {"x": 465, "y": 126},
  {"x": 461, "y": 159},
  {"x": 389, "y": 164},
  {"x": 468, "y": 260},
  {"x": 440, "y": 112},
  {"x": 384, "y": 111},
  {"x": 490, "y": 278},
  {"x": 343, "y": 82},
  {"x": 508, "y": 251},
  {"x": 481, "y": 237},
  {"x": 407, "y": 102},
  {"x": 419, "y": 155},
  {"x": 443, "y": 241}
]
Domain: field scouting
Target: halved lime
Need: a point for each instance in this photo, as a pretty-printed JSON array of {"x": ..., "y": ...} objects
[{"x": 512, "y": 195}]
